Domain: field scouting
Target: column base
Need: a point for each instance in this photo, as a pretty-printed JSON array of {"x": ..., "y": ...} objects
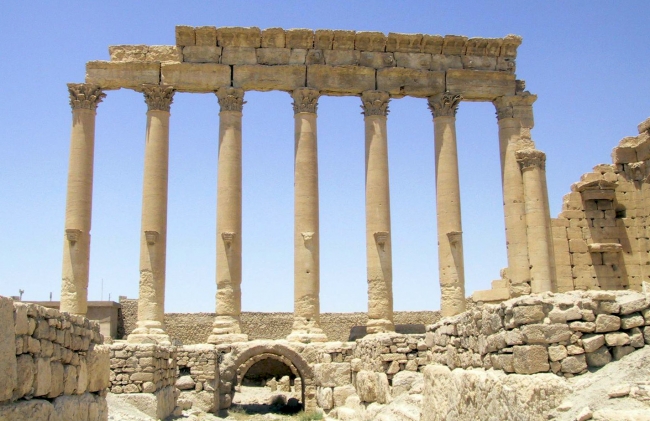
[
  {"x": 227, "y": 338},
  {"x": 226, "y": 329},
  {"x": 149, "y": 332},
  {"x": 379, "y": 326}
]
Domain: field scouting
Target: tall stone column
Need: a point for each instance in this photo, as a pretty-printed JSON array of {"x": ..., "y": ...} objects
[
  {"x": 227, "y": 325},
  {"x": 450, "y": 230},
  {"x": 78, "y": 208},
  {"x": 538, "y": 223},
  {"x": 153, "y": 235},
  {"x": 514, "y": 114},
  {"x": 306, "y": 313},
  {"x": 378, "y": 241}
]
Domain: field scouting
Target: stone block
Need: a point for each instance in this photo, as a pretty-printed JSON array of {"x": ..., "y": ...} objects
[
  {"x": 342, "y": 57},
  {"x": 98, "y": 363},
  {"x": 372, "y": 387},
  {"x": 25, "y": 369},
  {"x": 530, "y": 359},
  {"x": 128, "y": 52},
  {"x": 267, "y": 78},
  {"x": 21, "y": 322},
  {"x": 43, "y": 376},
  {"x": 116, "y": 75},
  {"x": 419, "y": 61},
  {"x": 432, "y": 44},
  {"x": 574, "y": 364},
  {"x": 205, "y": 36},
  {"x": 523, "y": 315},
  {"x": 475, "y": 85},
  {"x": 196, "y": 77},
  {"x": 370, "y": 41},
  {"x": 201, "y": 54},
  {"x": 314, "y": 57},
  {"x": 82, "y": 377},
  {"x": 341, "y": 393},
  {"x": 8, "y": 364},
  {"x": 185, "y": 35},
  {"x": 632, "y": 320},
  {"x": 249, "y": 37},
  {"x": 617, "y": 339},
  {"x": 273, "y": 56},
  {"x": 299, "y": 38},
  {"x": 404, "y": 43},
  {"x": 56, "y": 386},
  {"x": 607, "y": 323},
  {"x": 454, "y": 45},
  {"x": 298, "y": 56},
  {"x": 157, "y": 405},
  {"x": 632, "y": 303},
  {"x": 578, "y": 246},
  {"x": 443, "y": 62},
  {"x": 343, "y": 40},
  {"x": 557, "y": 353},
  {"x": 273, "y": 38},
  {"x": 621, "y": 351},
  {"x": 324, "y": 398},
  {"x": 479, "y": 63},
  {"x": 376, "y": 60},
  {"x": 332, "y": 374},
  {"x": 419, "y": 83},
  {"x": 238, "y": 55},
  {"x": 340, "y": 79},
  {"x": 323, "y": 39},
  {"x": 69, "y": 379},
  {"x": 36, "y": 410},
  {"x": 624, "y": 155},
  {"x": 546, "y": 333}
]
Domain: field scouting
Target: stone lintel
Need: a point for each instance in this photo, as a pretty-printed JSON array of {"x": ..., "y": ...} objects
[
  {"x": 268, "y": 78},
  {"x": 480, "y": 85},
  {"x": 595, "y": 185},
  {"x": 418, "y": 83},
  {"x": 196, "y": 77},
  {"x": 115, "y": 75},
  {"x": 340, "y": 79},
  {"x": 605, "y": 248}
]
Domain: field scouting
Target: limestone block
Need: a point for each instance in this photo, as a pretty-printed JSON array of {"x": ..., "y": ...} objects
[
  {"x": 479, "y": 62},
  {"x": 33, "y": 410},
  {"x": 443, "y": 62},
  {"x": 82, "y": 377},
  {"x": 266, "y": 78},
  {"x": 250, "y": 37},
  {"x": 474, "y": 85},
  {"x": 404, "y": 381},
  {"x": 56, "y": 386},
  {"x": 323, "y": 39},
  {"x": 523, "y": 315},
  {"x": 376, "y": 60},
  {"x": 341, "y": 393},
  {"x": 157, "y": 405},
  {"x": 128, "y": 52},
  {"x": 164, "y": 53},
  {"x": 574, "y": 364},
  {"x": 343, "y": 40},
  {"x": 43, "y": 376},
  {"x": 86, "y": 407},
  {"x": 621, "y": 351},
  {"x": 370, "y": 41},
  {"x": 599, "y": 357},
  {"x": 432, "y": 44},
  {"x": 69, "y": 379},
  {"x": 530, "y": 359},
  {"x": 340, "y": 79},
  {"x": 201, "y": 54},
  {"x": 403, "y": 43},
  {"x": 185, "y": 35},
  {"x": 546, "y": 333},
  {"x": 617, "y": 339},
  {"x": 325, "y": 398},
  {"x": 238, "y": 55},
  {"x": 332, "y": 374},
  {"x": 273, "y": 56},
  {"x": 8, "y": 364},
  {"x": 299, "y": 38},
  {"x": 298, "y": 56},
  {"x": 315, "y": 57},
  {"x": 196, "y": 77},
  {"x": 607, "y": 323},
  {"x": 454, "y": 45},
  {"x": 25, "y": 375},
  {"x": 557, "y": 353},
  {"x": 624, "y": 155},
  {"x": 273, "y": 38},
  {"x": 509, "y": 46},
  {"x": 206, "y": 36},
  {"x": 342, "y": 57},
  {"x": 98, "y": 365},
  {"x": 632, "y": 320},
  {"x": 186, "y": 383},
  {"x": 420, "y": 61},
  {"x": 578, "y": 246},
  {"x": 419, "y": 83},
  {"x": 632, "y": 303},
  {"x": 497, "y": 294},
  {"x": 115, "y": 75}
]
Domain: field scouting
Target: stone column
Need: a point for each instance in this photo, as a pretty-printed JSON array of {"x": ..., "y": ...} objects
[
  {"x": 450, "y": 230},
  {"x": 153, "y": 235},
  {"x": 514, "y": 114},
  {"x": 78, "y": 208},
  {"x": 532, "y": 164},
  {"x": 306, "y": 313},
  {"x": 227, "y": 325},
  {"x": 378, "y": 241}
]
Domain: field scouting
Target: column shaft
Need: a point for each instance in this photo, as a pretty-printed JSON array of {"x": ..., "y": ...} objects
[
  {"x": 378, "y": 241},
  {"x": 153, "y": 234},
  {"x": 306, "y": 324},
  {"x": 227, "y": 324},
  {"x": 450, "y": 243},
  {"x": 78, "y": 211}
]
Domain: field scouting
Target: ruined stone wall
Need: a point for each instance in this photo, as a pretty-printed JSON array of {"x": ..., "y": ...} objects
[
  {"x": 52, "y": 365},
  {"x": 601, "y": 237}
]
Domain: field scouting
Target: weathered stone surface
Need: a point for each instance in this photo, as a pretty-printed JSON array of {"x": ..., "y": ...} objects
[
  {"x": 325, "y": 398},
  {"x": 574, "y": 364},
  {"x": 196, "y": 77},
  {"x": 158, "y": 405},
  {"x": 8, "y": 365},
  {"x": 266, "y": 78},
  {"x": 342, "y": 57},
  {"x": 34, "y": 410},
  {"x": 530, "y": 359},
  {"x": 332, "y": 374},
  {"x": 201, "y": 54},
  {"x": 273, "y": 38},
  {"x": 418, "y": 61},
  {"x": 341, "y": 393},
  {"x": 343, "y": 40},
  {"x": 25, "y": 369},
  {"x": 372, "y": 387},
  {"x": 164, "y": 53},
  {"x": 185, "y": 35},
  {"x": 599, "y": 357},
  {"x": 185, "y": 383},
  {"x": 543, "y": 333},
  {"x": 238, "y": 55},
  {"x": 115, "y": 75},
  {"x": 419, "y": 83},
  {"x": 299, "y": 38},
  {"x": 473, "y": 85},
  {"x": 557, "y": 353},
  {"x": 592, "y": 342},
  {"x": 403, "y": 381},
  {"x": 405, "y": 43},
  {"x": 370, "y": 41},
  {"x": 607, "y": 323},
  {"x": 239, "y": 37},
  {"x": 273, "y": 56},
  {"x": 621, "y": 351},
  {"x": 523, "y": 315},
  {"x": 205, "y": 36},
  {"x": 98, "y": 365},
  {"x": 617, "y": 339},
  {"x": 631, "y": 304},
  {"x": 376, "y": 60},
  {"x": 340, "y": 79}
]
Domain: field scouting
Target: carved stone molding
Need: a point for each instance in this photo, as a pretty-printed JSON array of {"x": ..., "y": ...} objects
[
  {"x": 85, "y": 96},
  {"x": 231, "y": 99},
  {"x": 158, "y": 97},
  {"x": 72, "y": 235},
  {"x": 151, "y": 237},
  {"x": 444, "y": 105},
  {"x": 228, "y": 238},
  {"x": 305, "y": 100},
  {"x": 516, "y": 106},
  {"x": 531, "y": 158},
  {"x": 380, "y": 238},
  {"x": 375, "y": 103}
]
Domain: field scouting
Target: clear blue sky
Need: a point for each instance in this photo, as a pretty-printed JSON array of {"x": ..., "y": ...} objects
[{"x": 587, "y": 61}]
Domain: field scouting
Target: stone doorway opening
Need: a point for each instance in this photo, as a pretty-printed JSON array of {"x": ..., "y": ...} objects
[{"x": 269, "y": 383}]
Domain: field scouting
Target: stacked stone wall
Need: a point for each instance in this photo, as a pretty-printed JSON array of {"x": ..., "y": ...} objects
[
  {"x": 200, "y": 363},
  {"x": 52, "y": 365}
]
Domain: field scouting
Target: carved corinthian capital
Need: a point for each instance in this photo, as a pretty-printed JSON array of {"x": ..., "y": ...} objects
[
  {"x": 531, "y": 158},
  {"x": 444, "y": 105},
  {"x": 85, "y": 96},
  {"x": 231, "y": 99},
  {"x": 305, "y": 100},
  {"x": 518, "y": 106},
  {"x": 375, "y": 103},
  {"x": 158, "y": 97}
]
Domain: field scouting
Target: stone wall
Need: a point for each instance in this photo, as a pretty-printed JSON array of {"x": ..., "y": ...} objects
[{"x": 52, "y": 365}]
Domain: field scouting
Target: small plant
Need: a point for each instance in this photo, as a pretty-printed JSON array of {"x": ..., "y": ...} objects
[{"x": 310, "y": 416}]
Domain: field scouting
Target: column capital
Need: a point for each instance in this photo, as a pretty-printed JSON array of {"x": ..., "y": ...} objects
[
  {"x": 231, "y": 99},
  {"x": 444, "y": 104},
  {"x": 531, "y": 158},
  {"x": 158, "y": 97},
  {"x": 85, "y": 96},
  {"x": 375, "y": 103},
  {"x": 305, "y": 100},
  {"x": 518, "y": 106}
]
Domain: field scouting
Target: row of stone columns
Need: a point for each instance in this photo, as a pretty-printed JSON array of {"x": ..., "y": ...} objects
[{"x": 524, "y": 191}]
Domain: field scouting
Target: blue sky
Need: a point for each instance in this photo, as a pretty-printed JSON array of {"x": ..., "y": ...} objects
[{"x": 587, "y": 61}]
